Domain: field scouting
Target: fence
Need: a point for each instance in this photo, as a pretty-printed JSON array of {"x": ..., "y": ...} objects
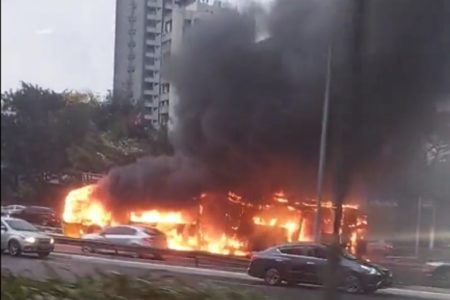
[{"x": 198, "y": 258}]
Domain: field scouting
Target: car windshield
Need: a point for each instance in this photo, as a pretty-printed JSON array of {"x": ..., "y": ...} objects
[{"x": 21, "y": 225}]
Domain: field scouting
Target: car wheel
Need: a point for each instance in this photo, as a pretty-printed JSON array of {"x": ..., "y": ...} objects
[
  {"x": 14, "y": 248},
  {"x": 272, "y": 277},
  {"x": 352, "y": 284},
  {"x": 43, "y": 254}
]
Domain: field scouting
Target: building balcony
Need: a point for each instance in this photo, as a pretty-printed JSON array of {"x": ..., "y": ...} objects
[
  {"x": 164, "y": 97},
  {"x": 151, "y": 92},
  {"x": 155, "y": 16},
  {"x": 151, "y": 79},
  {"x": 153, "y": 42},
  {"x": 148, "y": 104},
  {"x": 154, "y": 67},
  {"x": 154, "y": 3},
  {"x": 164, "y": 109},
  {"x": 152, "y": 54},
  {"x": 153, "y": 29},
  {"x": 150, "y": 117},
  {"x": 166, "y": 37}
]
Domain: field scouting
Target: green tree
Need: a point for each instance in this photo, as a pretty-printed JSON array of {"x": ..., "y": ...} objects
[
  {"x": 38, "y": 125},
  {"x": 48, "y": 132}
]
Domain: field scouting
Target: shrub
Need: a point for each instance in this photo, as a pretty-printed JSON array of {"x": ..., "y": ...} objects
[{"x": 113, "y": 286}]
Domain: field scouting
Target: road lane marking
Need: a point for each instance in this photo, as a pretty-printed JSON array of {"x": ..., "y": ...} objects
[{"x": 415, "y": 293}]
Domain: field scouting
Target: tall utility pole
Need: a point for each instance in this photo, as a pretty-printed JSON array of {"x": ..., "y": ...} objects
[
  {"x": 433, "y": 226},
  {"x": 349, "y": 93},
  {"x": 323, "y": 145}
]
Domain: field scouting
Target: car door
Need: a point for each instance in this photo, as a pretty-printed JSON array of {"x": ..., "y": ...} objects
[
  {"x": 111, "y": 234},
  {"x": 297, "y": 263},
  {"x": 5, "y": 233},
  {"x": 126, "y": 236},
  {"x": 316, "y": 267}
]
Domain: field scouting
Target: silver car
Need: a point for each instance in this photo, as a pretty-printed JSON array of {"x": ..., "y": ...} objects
[
  {"x": 19, "y": 236},
  {"x": 10, "y": 209},
  {"x": 128, "y": 236}
]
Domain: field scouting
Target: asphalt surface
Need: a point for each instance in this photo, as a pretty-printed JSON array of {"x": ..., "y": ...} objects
[{"x": 69, "y": 266}]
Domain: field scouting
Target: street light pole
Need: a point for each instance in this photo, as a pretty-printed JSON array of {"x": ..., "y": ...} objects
[
  {"x": 433, "y": 226},
  {"x": 419, "y": 221},
  {"x": 323, "y": 144}
]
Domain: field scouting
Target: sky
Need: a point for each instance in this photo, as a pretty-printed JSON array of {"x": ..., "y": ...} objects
[{"x": 59, "y": 44}]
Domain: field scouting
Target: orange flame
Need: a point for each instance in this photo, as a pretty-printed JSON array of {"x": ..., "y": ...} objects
[
  {"x": 155, "y": 216},
  {"x": 81, "y": 207},
  {"x": 185, "y": 231}
]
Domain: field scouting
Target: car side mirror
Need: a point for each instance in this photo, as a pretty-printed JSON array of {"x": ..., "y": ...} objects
[{"x": 4, "y": 228}]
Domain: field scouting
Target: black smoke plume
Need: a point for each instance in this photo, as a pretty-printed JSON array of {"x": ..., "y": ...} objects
[{"x": 249, "y": 113}]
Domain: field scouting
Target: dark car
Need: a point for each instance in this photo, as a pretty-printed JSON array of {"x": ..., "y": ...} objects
[
  {"x": 438, "y": 273},
  {"x": 38, "y": 215},
  {"x": 307, "y": 263}
]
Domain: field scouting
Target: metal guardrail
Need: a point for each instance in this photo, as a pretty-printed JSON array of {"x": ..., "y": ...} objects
[
  {"x": 51, "y": 230},
  {"x": 198, "y": 257}
]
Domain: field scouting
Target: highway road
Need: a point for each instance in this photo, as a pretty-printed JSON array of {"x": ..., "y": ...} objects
[
  {"x": 68, "y": 266},
  {"x": 404, "y": 274}
]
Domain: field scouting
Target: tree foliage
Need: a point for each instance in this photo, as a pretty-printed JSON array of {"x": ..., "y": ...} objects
[{"x": 46, "y": 132}]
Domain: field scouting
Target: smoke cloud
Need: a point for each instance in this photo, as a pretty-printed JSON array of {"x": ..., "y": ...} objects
[{"x": 249, "y": 113}]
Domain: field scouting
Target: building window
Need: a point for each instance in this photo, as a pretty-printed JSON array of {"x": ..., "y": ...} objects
[
  {"x": 152, "y": 23},
  {"x": 151, "y": 35},
  {"x": 150, "y": 61},
  {"x": 152, "y": 11},
  {"x": 168, "y": 27},
  {"x": 165, "y": 88},
  {"x": 150, "y": 48}
]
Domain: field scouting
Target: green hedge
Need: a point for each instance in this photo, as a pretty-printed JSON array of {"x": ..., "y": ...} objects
[{"x": 113, "y": 286}]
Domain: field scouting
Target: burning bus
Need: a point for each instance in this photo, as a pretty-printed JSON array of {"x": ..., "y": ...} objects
[{"x": 221, "y": 224}]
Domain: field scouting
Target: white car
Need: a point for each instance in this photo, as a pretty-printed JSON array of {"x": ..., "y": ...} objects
[
  {"x": 19, "y": 236},
  {"x": 126, "y": 235},
  {"x": 9, "y": 209}
]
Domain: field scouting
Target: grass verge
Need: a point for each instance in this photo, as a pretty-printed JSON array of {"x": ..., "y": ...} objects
[{"x": 114, "y": 286}]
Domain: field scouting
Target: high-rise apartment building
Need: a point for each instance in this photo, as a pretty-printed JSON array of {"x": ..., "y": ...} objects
[{"x": 147, "y": 32}]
